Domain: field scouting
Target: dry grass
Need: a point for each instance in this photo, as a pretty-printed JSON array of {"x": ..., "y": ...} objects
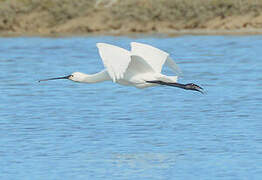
[
  {"x": 178, "y": 14},
  {"x": 171, "y": 10},
  {"x": 59, "y": 10}
]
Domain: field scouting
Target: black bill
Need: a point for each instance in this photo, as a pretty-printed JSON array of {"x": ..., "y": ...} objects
[{"x": 65, "y": 77}]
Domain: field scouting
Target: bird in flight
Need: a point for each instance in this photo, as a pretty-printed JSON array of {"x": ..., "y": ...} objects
[{"x": 141, "y": 67}]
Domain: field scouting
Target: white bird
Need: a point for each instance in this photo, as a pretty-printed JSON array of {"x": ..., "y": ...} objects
[{"x": 141, "y": 67}]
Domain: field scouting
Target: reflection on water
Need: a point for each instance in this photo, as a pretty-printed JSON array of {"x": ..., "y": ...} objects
[{"x": 61, "y": 129}]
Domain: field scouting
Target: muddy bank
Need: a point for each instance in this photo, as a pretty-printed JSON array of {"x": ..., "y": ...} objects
[{"x": 118, "y": 17}]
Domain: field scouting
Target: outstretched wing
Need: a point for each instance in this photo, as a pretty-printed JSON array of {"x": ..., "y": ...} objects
[
  {"x": 155, "y": 57},
  {"x": 138, "y": 65},
  {"x": 172, "y": 65},
  {"x": 115, "y": 59}
]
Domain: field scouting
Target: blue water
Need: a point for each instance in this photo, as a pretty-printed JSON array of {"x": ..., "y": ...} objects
[{"x": 65, "y": 130}]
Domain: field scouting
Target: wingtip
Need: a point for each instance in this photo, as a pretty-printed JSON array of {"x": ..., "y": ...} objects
[
  {"x": 98, "y": 44},
  {"x": 102, "y": 45},
  {"x": 132, "y": 44}
]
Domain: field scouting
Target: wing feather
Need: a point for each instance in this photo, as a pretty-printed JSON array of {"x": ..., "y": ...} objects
[
  {"x": 155, "y": 57},
  {"x": 139, "y": 66},
  {"x": 115, "y": 59},
  {"x": 172, "y": 65}
]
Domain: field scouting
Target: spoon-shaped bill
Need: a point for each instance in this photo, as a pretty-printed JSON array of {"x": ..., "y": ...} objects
[{"x": 65, "y": 77}]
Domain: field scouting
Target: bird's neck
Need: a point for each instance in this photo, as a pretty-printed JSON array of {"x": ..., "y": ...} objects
[{"x": 95, "y": 78}]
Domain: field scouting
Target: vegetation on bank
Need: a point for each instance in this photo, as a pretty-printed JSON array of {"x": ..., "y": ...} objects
[{"x": 121, "y": 15}]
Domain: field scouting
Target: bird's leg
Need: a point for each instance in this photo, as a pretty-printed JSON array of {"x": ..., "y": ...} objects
[
  {"x": 190, "y": 86},
  {"x": 168, "y": 84}
]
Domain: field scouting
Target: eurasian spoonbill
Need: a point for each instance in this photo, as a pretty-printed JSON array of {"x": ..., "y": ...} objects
[{"x": 141, "y": 67}]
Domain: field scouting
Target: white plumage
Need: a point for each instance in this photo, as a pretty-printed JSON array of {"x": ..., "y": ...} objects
[
  {"x": 141, "y": 67},
  {"x": 143, "y": 63}
]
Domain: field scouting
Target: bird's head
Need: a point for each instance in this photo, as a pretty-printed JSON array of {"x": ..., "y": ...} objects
[
  {"x": 76, "y": 76},
  {"x": 194, "y": 87}
]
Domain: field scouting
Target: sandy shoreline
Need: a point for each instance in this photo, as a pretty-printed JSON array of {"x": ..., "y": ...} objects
[
  {"x": 115, "y": 17},
  {"x": 158, "y": 34}
]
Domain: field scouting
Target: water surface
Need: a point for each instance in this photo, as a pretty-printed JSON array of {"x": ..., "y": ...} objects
[{"x": 65, "y": 130}]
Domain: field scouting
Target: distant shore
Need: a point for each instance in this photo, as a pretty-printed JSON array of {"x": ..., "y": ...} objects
[
  {"x": 165, "y": 33},
  {"x": 129, "y": 17}
]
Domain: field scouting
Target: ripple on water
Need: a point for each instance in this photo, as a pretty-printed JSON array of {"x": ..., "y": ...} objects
[{"x": 61, "y": 129}]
